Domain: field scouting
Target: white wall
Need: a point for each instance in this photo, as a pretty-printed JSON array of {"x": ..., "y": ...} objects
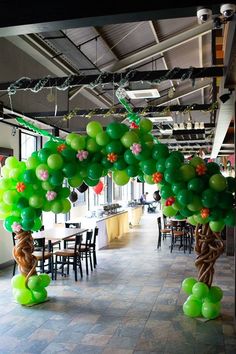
[{"x": 7, "y": 141}]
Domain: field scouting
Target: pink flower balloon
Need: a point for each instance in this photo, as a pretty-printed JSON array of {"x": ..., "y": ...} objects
[
  {"x": 51, "y": 195},
  {"x": 16, "y": 227},
  {"x": 82, "y": 155},
  {"x": 43, "y": 175},
  {"x": 136, "y": 148}
]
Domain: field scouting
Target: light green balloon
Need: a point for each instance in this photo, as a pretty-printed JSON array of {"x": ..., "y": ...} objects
[
  {"x": 55, "y": 161},
  {"x": 148, "y": 179},
  {"x": 23, "y": 296},
  {"x": 32, "y": 163},
  {"x": 169, "y": 211},
  {"x": 11, "y": 162},
  {"x": 35, "y": 283},
  {"x": 40, "y": 296},
  {"x": 192, "y": 308},
  {"x": 93, "y": 129},
  {"x": 75, "y": 181},
  {"x": 66, "y": 206},
  {"x": 120, "y": 177},
  {"x": 92, "y": 146},
  {"x": 11, "y": 197},
  {"x": 78, "y": 142},
  {"x": 5, "y": 171},
  {"x": 187, "y": 285},
  {"x": 69, "y": 138},
  {"x": 210, "y": 310},
  {"x": 45, "y": 279},
  {"x": 18, "y": 281}
]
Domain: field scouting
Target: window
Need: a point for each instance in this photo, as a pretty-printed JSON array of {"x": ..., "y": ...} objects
[{"x": 28, "y": 145}]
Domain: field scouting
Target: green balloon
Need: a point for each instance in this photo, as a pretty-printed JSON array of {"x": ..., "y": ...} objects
[
  {"x": 226, "y": 200},
  {"x": 32, "y": 162},
  {"x": 187, "y": 172},
  {"x": 45, "y": 279},
  {"x": 37, "y": 224},
  {"x": 69, "y": 169},
  {"x": 185, "y": 197},
  {"x": 93, "y": 129},
  {"x": 115, "y": 130},
  {"x": 47, "y": 186},
  {"x": 185, "y": 213},
  {"x": 75, "y": 181},
  {"x": 188, "y": 284},
  {"x": 91, "y": 182},
  {"x": 18, "y": 281},
  {"x": 132, "y": 170},
  {"x": 43, "y": 155},
  {"x": 196, "y": 203},
  {"x": 196, "y": 184},
  {"x": 148, "y": 167},
  {"x": 34, "y": 283},
  {"x": 92, "y": 146},
  {"x": 120, "y": 164},
  {"x": 166, "y": 192},
  {"x": 39, "y": 169},
  {"x": 212, "y": 168},
  {"x": 69, "y": 138},
  {"x": 56, "y": 206},
  {"x": 27, "y": 225},
  {"x": 177, "y": 187},
  {"x": 177, "y": 205},
  {"x": 216, "y": 214},
  {"x": 145, "y": 154},
  {"x": 191, "y": 221},
  {"x": 210, "y": 310},
  {"x": 64, "y": 192},
  {"x": 217, "y": 226},
  {"x": 11, "y": 197},
  {"x": 114, "y": 146},
  {"x": 200, "y": 220},
  {"x": 56, "y": 178},
  {"x": 196, "y": 160},
  {"x": 105, "y": 163},
  {"x": 141, "y": 177},
  {"x": 160, "y": 151},
  {"x": 173, "y": 162},
  {"x": 192, "y": 308},
  {"x": 200, "y": 290},
  {"x": 7, "y": 183},
  {"x": 209, "y": 198},
  {"x": 129, "y": 157},
  {"x": 5, "y": 172},
  {"x": 218, "y": 182},
  {"x": 40, "y": 296},
  {"x": 29, "y": 177},
  {"x": 169, "y": 211},
  {"x": 161, "y": 165},
  {"x": 129, "y": 138},
  {"x": 148, "y": 179},
  {"x": 120, "y": 178},
  {"x": 11, "y": 162},
  {"x": 145, "y": 125},
  {"x": 102, "y": 139},
  {"x": 14, "y": 173},
  {"x": 172, "y": 175},
  {"x": 66, "y": 206},
  {"x": 69, "y": 154},
  {"x": 55, "y": 162},
  {"x": 9, "y": 221},
  {"x": 215, "y": 294},
  {"x": 23, "y": 296},
  {"x": 51, "y": 145},
  {"x": 78, "y": 142},
  {"x": 177, "y": 155},
  {"x": 28, "y": 213},
  {"x": 36, "y": 201},
  {"x": 22, "y": 203},
  {"x": 47, "y": 206},
  {"x": 230, "y": 218},
  {"x": 95, "y": 171}
]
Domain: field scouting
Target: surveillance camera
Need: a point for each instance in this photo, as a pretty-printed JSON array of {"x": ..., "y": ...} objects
[
  {"x": 204, "y": 15},
  {"x": 228, "y": 10}
]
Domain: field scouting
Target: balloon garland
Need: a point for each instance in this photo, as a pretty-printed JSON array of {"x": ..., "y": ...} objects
[{"x": 195, "y": 190}]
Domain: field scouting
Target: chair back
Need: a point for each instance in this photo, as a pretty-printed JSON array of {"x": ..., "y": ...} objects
[
  {"x": 40, "y": 246},
  {"x": 159, "y": 223},
  {"x": 73, "y": 225},
  {"x": 95, "y": 233},
  {"x": 89, "y": 236},
  {"x": 78, "y": 241},
  {"x": 13, "y": 238}
]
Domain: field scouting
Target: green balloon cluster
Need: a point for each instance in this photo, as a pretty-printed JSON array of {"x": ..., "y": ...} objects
[
  {"x": 202, "y": 301},
  {"x": 34, "y": 292}
]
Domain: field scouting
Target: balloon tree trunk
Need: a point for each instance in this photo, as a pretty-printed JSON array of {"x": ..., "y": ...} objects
[
  {"x": 209, "y": 246},
  {"x": 23, "y": 254}
]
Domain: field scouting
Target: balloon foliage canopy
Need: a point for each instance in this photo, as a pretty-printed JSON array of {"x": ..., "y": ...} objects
[{"x": 195, "y": 189}]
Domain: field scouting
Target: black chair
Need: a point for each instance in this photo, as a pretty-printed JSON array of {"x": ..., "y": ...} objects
[
  {"x": 93, "y": 246},
  {"x": 15, "y": 263},
  {"x": 86, "y": 250},
  {"x": 71, "y": 240},
  {"x": 178, "y": 234},
  {"x": 69, "y": 256},
  {"x": 43, "y": 255},
  {"x": 162, "y": 232}
]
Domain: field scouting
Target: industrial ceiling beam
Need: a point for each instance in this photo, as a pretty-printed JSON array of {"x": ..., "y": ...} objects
[
  {"x": 106, "y": 78},
  {"x": 162, "y": 47},
  {"x": 58, "y": 16},
  {"x": 120, "y": 111}
]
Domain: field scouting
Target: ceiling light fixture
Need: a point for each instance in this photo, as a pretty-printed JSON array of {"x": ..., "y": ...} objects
[{"x": 142, "y": 94}]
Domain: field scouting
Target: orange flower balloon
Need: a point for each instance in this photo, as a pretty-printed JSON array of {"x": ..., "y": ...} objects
[
  {"x": 61, "y": 147},
  {"x": 201, "y": 170},
  {"x": 20, "y": 187},
  {"x": 112, "y": 157},
  {"x": 205, "y": 213},
  {"x": 157, "y": 177}
]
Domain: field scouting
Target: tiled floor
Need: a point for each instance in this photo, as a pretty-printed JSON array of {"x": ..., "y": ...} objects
[{"x": 130, "y": 304}]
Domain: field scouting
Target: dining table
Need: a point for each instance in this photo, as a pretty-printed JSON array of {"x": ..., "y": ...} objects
[{"x": 58, "y": 234}]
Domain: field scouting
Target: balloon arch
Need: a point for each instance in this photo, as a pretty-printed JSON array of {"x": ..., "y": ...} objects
[{"x": 195, "y": 190}]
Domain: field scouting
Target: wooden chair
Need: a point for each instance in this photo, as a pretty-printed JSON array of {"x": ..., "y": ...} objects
[
  {"x": 178, "y": 234},
  {"x": 69, "y": 256},
  {"x": 43, "y": 255},
  {"x": 93, "y": 246},
  {"x": 86, "y": 250},
  {"x": 162, "y": 232}
]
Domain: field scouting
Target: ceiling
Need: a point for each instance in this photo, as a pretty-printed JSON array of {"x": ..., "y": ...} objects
[{"x": 124, "y": 47}]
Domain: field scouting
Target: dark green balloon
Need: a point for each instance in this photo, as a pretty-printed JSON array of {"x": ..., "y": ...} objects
[
  {"x": 184, "y": 197},
  {"x": 105, "y": 163},
  {"x": 115, "y": 147},
  {"x": 144, "y": 154},
  {"x": 129, "y": 157},
  {"x": 186, "y": 212},
  {"x": 132, "y": 170},
  {"x": 140, "y": 178},
  {"x": 43, "y": 154},
  {"x": 230, "y": 218},
  {"x": 29, "y": 177},
  {"x": 51, "y": 145},
  {"x": 97, "y": 157},
  {"x": 178, "y": 186},
  {"x": 115, "y": 130},
  {"x": 28, "y": 213},
  {"x": 210, "y": 198},
  {"x": 166, "y": 192},
  {"x": 69, "y": 154},
  {"x": 95, "y": 171},
  {"x": 22, "y": 203},
  {"x": 161, "y": 165},
  {"x": 172, "y": 175},
  {"x": 120, "y": 164},
  {"x": 69, "y": 169},
  {"x": 173, "y": 162},
  {"x": 91, "y": 182},
  {"x": 56, "y": 178},
  {"x": 216, "y": 214},
  {"x": 177, "y": 155},
  {"x": 226, "y": 200},
  {"x": 160, "y": 151},
  {"x": 231, "y": 184},
  {"x": 196, "y": 184},
  {"x": 148, "y": 166},
  {"x": 27, "y": 224},
  {"x": 212, "y": 168}
]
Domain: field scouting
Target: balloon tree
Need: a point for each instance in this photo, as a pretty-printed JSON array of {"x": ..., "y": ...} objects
[{"x": 195, "y": 190}]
